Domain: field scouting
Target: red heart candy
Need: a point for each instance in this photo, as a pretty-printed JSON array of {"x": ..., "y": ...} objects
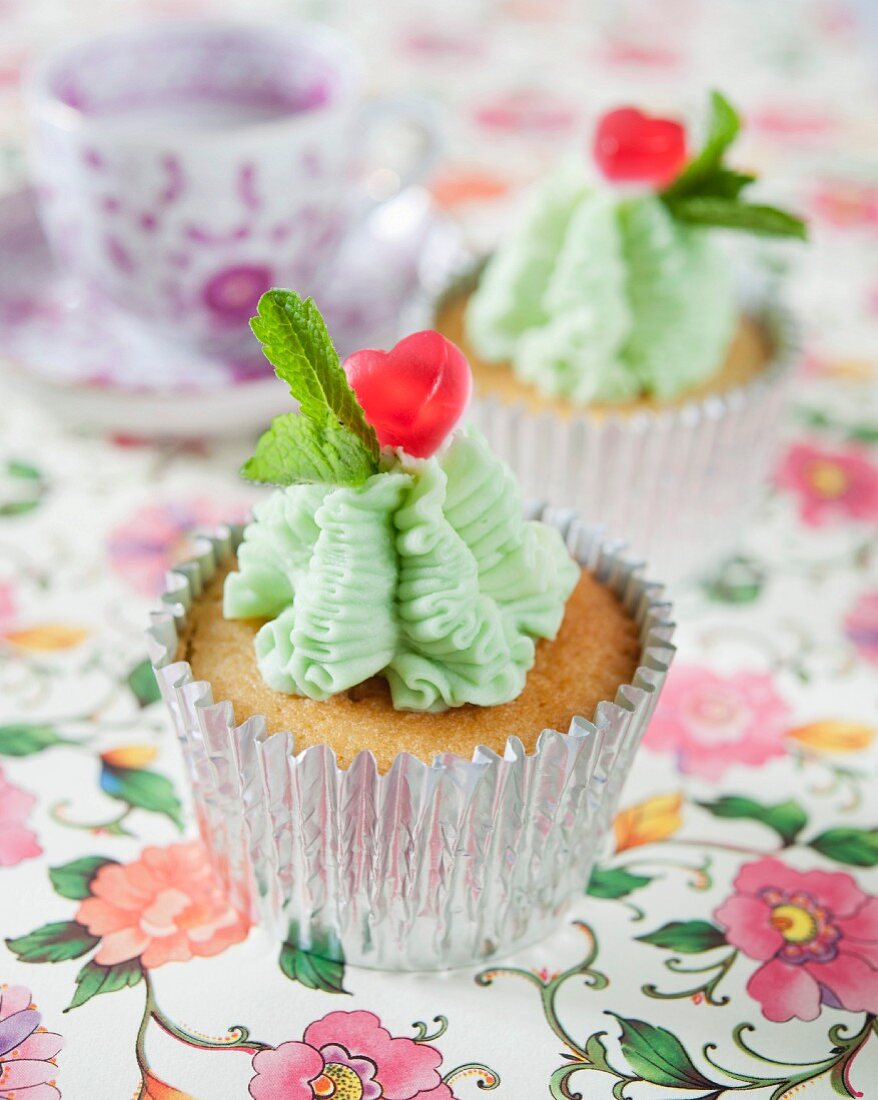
[
  {"x": 630, "y": 146},
  {"x": 414, "y": 394}
]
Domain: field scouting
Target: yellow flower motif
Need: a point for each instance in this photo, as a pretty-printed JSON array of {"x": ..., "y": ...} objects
[
  {"x": 129, "y": 756},
  {"x": 834, "y": 736},
  {"x": 859, "y": 370},
  {"x": 828, "y": 479},
  {"x": 655, "y": 819},
  {"x": 47, "y": 637}
]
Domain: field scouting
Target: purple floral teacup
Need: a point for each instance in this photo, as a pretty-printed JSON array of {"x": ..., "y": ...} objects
[{"x": 183, "y": 168}]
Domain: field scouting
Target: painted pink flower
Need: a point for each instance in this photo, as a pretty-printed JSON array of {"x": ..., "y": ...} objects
[
  {"x": 830, "y": 484},
  {"x": 861, "y": 626},
  {"x": 8, "y": 602},
  {"x": 17, "y": 841},
  {"x": 165, "y": 907},
  {"x": 645, "y": 54},
  {"x": 846, "y": 203},
  {"x": 144, "y": 547},
  {"x": 526, "y": 111},
  {"x": 231, "y": 294},
  {"x": 794, "y": 122},
  {"x": 711, "y": 721},
  {"x": 349, "y": 1054},
  {"x": 816, "y": 934},
  {"x": 27, "y": 1050}
]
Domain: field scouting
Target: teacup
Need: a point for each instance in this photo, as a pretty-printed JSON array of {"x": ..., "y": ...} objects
[{"x": 183, "y": 168}]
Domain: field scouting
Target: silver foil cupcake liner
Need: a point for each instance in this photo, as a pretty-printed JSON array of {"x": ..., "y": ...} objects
[
  {"x": 678, "y": 484},
  {"x": 429, "y": 865}
]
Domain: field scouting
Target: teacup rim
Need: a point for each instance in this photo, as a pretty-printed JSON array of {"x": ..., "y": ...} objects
[{"x": 43, "y": 102}]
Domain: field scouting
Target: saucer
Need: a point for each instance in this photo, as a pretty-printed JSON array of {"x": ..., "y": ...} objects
[{"x": 98, "y": 369}]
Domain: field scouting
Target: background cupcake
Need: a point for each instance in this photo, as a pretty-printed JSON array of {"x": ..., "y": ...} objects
[
  {"x": 465, "y": 685},
  {"x": 618, "y": 365}
]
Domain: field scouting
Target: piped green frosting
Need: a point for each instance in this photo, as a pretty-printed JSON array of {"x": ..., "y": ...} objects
[
  {"x": 596, "y": 297},
  {"x": 426, "y": 574}
]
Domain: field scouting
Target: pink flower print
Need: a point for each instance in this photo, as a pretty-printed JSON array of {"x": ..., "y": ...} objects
[
  {"x": 165, "y": 907},
  {"x": 155, "y": 537},
  {"x": 231, "y": 294},
  {"x": 442, "y": 42},
  {"x": 349, "y": 1054},
  {"x": 17, "y": 841},
  {"x": 711, "y": 721},
  {"x": 830, "y": 485},
  {"x": 648, "y": 55},
  {"x": 8, "y": 603},
  {"x": 527, "y": 111},
  {"x": 846, "y": 204},
  {"x": 861, "y": 626},
  {"x": 794, "y": 123},
  {"x": 815, "y": 933},
  {"x": 27, "y": 1050}
]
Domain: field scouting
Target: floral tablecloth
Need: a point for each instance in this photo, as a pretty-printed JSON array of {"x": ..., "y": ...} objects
[{"x": 729, "y": 944}]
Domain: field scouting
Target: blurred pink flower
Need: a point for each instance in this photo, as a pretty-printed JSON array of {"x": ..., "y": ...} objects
[
  {"x": 816, "y": 934},
  {"x": 156, "y": 536},
  {"x": 526, "y": 111},
  {"x": 27, "y": 1051},
  {"x": 846, "y": 203},
  {"x": 831, "y": 485},
  {"x": 641, "y": 54},
  {"x": 8, "y": 603},
  {"x": 711, "y": 721},
  {"x": 17, "y": 841},
  {"x": 794, "y": 122},
  {"x": 861, "y": 626}
]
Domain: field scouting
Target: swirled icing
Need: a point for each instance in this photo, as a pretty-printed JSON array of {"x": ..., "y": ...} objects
[
  {"x": 427, "y": 574},
  {"x": 597, "y": 297}
]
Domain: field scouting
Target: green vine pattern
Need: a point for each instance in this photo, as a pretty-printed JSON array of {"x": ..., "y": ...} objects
[{"x": 655, "y": 1055}]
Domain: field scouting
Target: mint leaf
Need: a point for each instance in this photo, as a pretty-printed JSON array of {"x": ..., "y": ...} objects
[
  {"x": 295, "y": 341},
  {"x": 766, "y": 221},
  {"x": 722, "y": 131},
  {"x": 707, "y": 193},
  {"x": 296, "y": 450},
  {"x": 727, "y": 183}
]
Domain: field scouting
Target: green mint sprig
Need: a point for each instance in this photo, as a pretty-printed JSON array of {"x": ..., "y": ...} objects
[
  {"x": 329, "y": 440},
  {"x": 708, "y": 193}
]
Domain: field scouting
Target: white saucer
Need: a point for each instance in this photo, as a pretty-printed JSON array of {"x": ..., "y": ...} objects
[{"x": 97, "y": 369}]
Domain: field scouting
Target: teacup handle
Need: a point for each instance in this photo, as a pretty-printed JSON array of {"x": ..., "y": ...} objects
[{"x": 415, "y": 110}]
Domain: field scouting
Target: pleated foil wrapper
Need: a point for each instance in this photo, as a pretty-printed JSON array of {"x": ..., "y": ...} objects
[
  {"x": 678, "y": 484},
  {"x": 428, "y": 866}
]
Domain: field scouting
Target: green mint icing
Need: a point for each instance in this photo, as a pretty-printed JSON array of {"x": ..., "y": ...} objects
[
  {"x": 426, "y": 574},
  {"x": 597, "y": 297}
]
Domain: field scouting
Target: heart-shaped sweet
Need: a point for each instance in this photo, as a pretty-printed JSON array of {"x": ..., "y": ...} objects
[
  {"x": 632, "y": 147},
  {"x": 414, "y": 394}
]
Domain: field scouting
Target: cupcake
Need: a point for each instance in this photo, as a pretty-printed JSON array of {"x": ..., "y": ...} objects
[
  {"x": 619, "y": 367},
  {"x": 427, "y": 699}
]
